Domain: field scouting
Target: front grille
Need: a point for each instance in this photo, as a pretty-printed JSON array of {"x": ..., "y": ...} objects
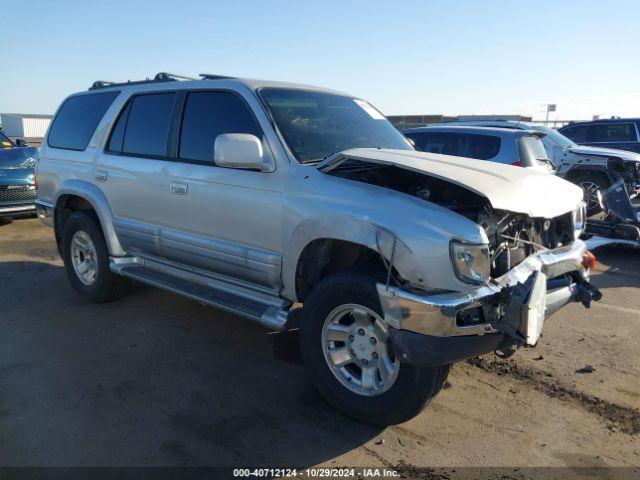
[{"x": 17, "y": 194}]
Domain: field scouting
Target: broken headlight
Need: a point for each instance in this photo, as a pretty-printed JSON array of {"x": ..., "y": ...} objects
[
  {"x": 471, "y": 263},
  {"x": 579, "y": 218}
]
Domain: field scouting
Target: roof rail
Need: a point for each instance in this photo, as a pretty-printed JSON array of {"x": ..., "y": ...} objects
[
  {"x": 211, "y": 76},
  {"x": 160, "y": 77}
]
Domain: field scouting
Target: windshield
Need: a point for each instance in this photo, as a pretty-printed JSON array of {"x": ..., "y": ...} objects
[
  {"x": 316, "y": 125},
  {"x": 554, "y": 136},
  {"x": 5, "y": 142}
]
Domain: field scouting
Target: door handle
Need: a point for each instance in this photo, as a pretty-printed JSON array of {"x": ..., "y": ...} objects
[
  {"x": 178, "y": 188},
  {"x": 100, "y": 175}
]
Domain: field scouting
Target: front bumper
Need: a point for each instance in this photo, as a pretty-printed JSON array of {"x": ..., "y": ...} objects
[
  {"x": 44, "y": 211},
  {"x": 510, "y": 309},
  {"x": 17, "y": 209}
]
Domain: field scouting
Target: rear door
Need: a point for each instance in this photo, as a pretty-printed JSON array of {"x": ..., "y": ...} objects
[{"x": 132, "y": 171}]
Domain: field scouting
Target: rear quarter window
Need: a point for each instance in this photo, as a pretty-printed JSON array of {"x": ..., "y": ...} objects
[{"x": 77, "y": 119}]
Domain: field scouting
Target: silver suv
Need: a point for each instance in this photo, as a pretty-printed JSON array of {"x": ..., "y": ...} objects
[{"x": 252, "y": 196}]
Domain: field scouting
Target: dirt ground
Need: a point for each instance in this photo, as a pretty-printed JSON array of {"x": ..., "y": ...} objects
[{"x": 158, "y": 380}]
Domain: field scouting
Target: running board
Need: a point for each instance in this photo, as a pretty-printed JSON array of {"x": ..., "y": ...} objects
[{"x": 272, "y": 312}]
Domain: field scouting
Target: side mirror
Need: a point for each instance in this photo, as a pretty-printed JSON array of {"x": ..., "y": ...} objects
[
  {"x": 21, "y": 142},
  {"x": 241, "y": 150}
]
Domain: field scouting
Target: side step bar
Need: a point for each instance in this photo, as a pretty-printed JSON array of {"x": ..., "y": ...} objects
[{"x": 270, "y": 312}]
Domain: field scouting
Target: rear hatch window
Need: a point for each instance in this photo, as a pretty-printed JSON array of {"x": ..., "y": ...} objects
[{"x": 532, "y": 152}]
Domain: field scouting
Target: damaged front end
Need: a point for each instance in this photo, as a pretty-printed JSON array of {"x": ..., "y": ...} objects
[
  {"x": 506, "y": 312},
  {"x": 621, "y": 221}
]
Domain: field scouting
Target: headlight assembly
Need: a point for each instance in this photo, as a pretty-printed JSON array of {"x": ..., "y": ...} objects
[
  {"x": 579, "y": 217},
  {"x": 471, "y": 262}
]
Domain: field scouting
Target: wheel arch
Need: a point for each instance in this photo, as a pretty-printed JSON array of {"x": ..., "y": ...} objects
[
  {"x": 76, "y": 195},
  {"x": 318, "y": 248}
]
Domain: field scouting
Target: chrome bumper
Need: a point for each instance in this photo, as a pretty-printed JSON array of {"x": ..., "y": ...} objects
[
  {"x": 44, "y": 211},
  {"x": 437, "y": 315},
  {"x": 16, "y": 209}
]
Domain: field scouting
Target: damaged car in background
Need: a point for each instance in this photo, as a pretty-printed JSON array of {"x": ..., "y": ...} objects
[{"x": 404, "y": 262}]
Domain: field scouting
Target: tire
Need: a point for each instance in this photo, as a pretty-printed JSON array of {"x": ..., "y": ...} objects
[
  {"x": 592, "y": 183},
  {"x": 82, "y": 239},
  {"x": 399, "y": 399}
]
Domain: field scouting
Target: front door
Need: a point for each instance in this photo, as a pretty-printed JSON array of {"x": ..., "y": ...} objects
[{"x": 223, "y": 220}]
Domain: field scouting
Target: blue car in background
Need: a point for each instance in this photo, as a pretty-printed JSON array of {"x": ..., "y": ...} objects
[
  {"x": 17, "y": 188},
  {"x": 619, "y": 133}
]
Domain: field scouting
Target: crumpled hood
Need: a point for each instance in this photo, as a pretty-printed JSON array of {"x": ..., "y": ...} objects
[
  {"x": 509, "y": 188},
  {"x": 18, "y": 157},
  {"x": 606, "y": 152}
]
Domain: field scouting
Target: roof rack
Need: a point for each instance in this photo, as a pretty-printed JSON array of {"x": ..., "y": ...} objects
[
  {"x": 160, "y": 77},
  {"x": 211, "y": 76}
]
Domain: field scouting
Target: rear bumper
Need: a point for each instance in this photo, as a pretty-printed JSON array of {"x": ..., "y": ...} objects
[{"x": 512, "y": 309}]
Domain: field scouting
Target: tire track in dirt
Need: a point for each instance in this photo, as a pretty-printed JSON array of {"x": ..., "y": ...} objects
[{"x": 625, "y": 419}]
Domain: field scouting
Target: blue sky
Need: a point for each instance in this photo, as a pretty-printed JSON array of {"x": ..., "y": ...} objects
[{"x": 452, "y": 57}]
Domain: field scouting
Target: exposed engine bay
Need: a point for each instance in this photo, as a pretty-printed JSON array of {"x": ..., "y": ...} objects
[{"x": 512, "y": 236}]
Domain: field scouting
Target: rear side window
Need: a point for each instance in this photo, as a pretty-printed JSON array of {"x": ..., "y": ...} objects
[
  {"x": 207, "y": 115},
  {"x": 147, "y": 129},
  {"x": 142, "y": 128},
  {"x": 577, "y": 133},
  {"x": 613, "y": 132},
  {"x": 482, "y": 147},
  {"x": 77, "y": 119}
]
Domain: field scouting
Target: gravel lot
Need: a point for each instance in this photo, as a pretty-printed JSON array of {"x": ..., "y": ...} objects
[{"x": 155, "y": 379}]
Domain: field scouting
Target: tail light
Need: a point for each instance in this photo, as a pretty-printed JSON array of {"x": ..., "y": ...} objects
[{"x": 517, "y": 164}]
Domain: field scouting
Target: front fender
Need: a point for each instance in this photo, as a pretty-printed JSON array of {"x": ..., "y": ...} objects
[
  {"x": 349, "y": 229},
  {"x": 98, "y": 201}
]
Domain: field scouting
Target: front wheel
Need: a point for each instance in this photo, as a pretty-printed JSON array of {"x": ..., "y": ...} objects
[
  {"x": 592, "y": 185},
  {"x": 346, "y": 347}
]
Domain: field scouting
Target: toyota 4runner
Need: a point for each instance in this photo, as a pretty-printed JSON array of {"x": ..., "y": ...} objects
[{"x": 252, "y": 196}]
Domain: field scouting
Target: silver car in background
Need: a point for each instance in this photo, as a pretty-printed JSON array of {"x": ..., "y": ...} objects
[{"x": 521, "y": 148}]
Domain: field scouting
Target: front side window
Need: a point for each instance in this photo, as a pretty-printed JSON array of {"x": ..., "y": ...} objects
[
  {"x": 577, "y": 133},
  {"x": 317, "y": 124},
  {"x": 207, "y": 115},
  {"x": 613, "y": 132},
  {"x": 438, "y": 142},
  {"x": 77, "y": 119},
  {"x": 143, "y": 126},
  {"x": 5, "y": 142}
]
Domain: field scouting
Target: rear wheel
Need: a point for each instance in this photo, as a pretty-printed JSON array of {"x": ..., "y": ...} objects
[
  {"x": 86, "y": 260},
  {"x": 346, "y": 348}
]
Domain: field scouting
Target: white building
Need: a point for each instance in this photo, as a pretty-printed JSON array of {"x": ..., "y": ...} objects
[{"x": 28, "y": 126}]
